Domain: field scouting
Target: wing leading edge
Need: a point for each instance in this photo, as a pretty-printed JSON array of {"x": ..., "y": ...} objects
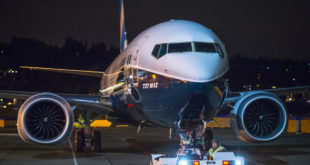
[
  {"x": 93, "y": 102},
  {"x": 67, "y": 71}
]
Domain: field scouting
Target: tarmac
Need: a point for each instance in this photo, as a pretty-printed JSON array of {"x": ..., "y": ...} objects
[{"x": 123, "y": 146}]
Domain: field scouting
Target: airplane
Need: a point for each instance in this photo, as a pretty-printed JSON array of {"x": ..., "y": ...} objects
[{"x": 170, "y": 75}]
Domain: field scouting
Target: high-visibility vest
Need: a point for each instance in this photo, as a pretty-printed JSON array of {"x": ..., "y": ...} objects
[
  {"x": 80, "y": 123},
  {"x": 211, "y": 151}
]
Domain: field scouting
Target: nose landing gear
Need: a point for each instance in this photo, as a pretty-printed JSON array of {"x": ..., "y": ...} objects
[{"x": 195, "y": 134}]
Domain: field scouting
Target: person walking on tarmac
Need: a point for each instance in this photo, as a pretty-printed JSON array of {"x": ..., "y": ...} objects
[{"x": 216, "y": 147}]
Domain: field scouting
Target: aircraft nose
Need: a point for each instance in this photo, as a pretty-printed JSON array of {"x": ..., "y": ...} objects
[{"x": 195, "y": 66}]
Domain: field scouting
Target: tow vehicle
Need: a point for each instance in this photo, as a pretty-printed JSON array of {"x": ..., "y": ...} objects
[{"x": 192, "y": 156}]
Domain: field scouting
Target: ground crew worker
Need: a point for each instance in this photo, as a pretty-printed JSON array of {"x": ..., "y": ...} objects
[
  {"x": 80, "y": 134},
  {"x": 81, "y": 122},
  {"x": 216, "y": 147}
]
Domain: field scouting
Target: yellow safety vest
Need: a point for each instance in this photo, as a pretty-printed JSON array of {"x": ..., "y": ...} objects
[
  {"x": 211, "y": 151},
  {"x": 80, "y": 123}
]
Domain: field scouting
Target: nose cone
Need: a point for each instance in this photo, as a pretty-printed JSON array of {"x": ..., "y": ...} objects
[{"x": 195, "y": 66}]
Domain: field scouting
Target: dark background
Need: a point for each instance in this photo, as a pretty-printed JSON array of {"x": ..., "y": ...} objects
[{"x": 256, "y": 28}]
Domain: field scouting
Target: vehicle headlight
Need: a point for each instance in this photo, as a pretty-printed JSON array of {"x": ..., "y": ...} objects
[
  {"x": 183, "y": 162},
  {"x": 239, "y": 161}
]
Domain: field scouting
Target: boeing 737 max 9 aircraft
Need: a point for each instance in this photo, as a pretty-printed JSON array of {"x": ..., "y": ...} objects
[{"x": 169, "y": 75}]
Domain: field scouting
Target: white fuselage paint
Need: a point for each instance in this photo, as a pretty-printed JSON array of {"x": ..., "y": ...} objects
[{"x": 188, "y": 66}]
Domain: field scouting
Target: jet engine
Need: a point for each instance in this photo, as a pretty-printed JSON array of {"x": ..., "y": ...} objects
[
  {"x": 45, "y": 118},
  {"x": 259, "y": 117}
]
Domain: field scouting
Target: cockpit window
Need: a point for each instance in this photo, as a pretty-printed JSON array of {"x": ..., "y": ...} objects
[
  {"x": 162, "y": 50},
  {"x": 205, "y": 47},
  {"x": 219, "y": 50},
  {"x": 159, "y": 50},
  {"x": 180, "y": 47},
  {"x": 155, "y": 50}
]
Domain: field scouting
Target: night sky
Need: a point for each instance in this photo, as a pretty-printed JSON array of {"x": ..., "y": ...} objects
[{"x": 252, "y": 28}]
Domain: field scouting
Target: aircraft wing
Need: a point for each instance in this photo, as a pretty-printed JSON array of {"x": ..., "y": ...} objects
[
  {"x": 94, "y": 102},
  {"x": 67, "y": 71},
  {"x": 234, "y": 96}
]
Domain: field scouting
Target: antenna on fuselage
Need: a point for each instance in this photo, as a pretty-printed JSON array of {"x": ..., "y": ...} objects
[{"x": 123, "y": 33}]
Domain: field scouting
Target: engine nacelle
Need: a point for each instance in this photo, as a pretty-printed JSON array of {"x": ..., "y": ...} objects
[
  {"x": 259, "y": 117},
  {"x": 45, "y": 118}
]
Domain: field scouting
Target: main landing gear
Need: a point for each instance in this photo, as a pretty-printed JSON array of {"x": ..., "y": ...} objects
[
  {"x": 91, "y": 139},
  {"x": 86, "y": 137}
]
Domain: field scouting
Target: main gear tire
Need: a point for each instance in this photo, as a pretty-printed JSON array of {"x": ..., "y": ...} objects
[{"x": 79, "y": 140}]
